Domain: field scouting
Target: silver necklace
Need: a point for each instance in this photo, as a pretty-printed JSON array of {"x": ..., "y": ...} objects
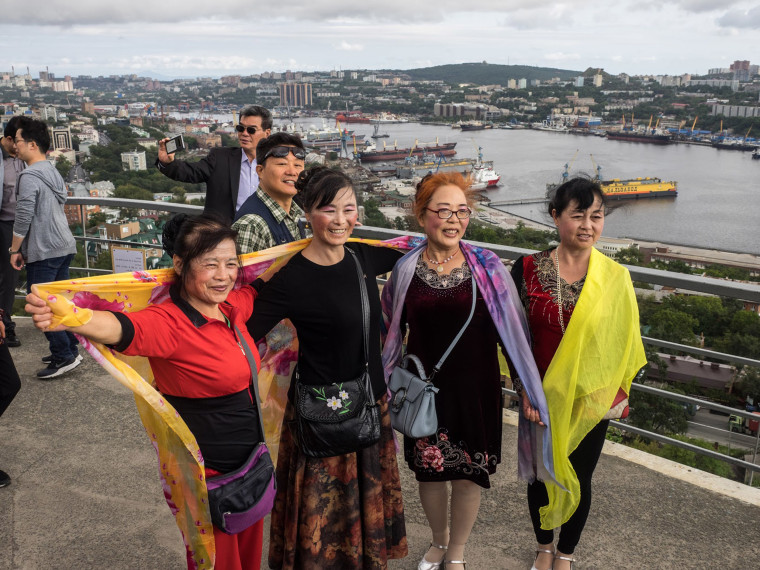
[
  {"x": 559, "y": 291},
  {"x": 439, "y": 264}
]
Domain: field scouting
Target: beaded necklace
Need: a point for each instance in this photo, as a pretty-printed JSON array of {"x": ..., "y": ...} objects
[
  {"x": 559, "y": 291},
  {"x": 439, "y": 264}
]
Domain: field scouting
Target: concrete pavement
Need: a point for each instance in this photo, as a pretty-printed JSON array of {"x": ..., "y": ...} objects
[{"x": 86, "y": 493}]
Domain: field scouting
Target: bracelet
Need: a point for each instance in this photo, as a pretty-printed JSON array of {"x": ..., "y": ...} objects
[
  {"x": 13, "y": 252},
  {"x": 517, "y": 385}
]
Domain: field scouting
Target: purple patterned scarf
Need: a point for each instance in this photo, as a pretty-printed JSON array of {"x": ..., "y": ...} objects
[{"x": 503, "y": 302}]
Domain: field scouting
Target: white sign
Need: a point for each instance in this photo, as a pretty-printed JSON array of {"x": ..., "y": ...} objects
[{"x": 127, "y": 259}]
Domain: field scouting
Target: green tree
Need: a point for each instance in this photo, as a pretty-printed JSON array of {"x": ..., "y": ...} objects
[
  {"x": 674, "y": 265},
  {"x": 373, "y": 216},
  {"x": 673, "y": 325},
  {"x": 749, "y": 385},
  {"x": 95, "y": 219},
  {"x": 227, "y": 140},
  {"x": 132, "y": 192},
  {"x": 630, "y": 256},
  {"x": 657, "y": 414},
  {"x": 63, "y": 166},
  {"x": 743, "y": 335},
  {"x": 180, "y": 196}
]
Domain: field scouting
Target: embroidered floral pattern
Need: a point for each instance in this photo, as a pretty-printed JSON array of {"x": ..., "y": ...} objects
[
  {"x": 335, "y": 403},
  {"x": 438, "y": 280},
  {"x": 546, "y": 271},
  {"x": 436, "y": 453}
]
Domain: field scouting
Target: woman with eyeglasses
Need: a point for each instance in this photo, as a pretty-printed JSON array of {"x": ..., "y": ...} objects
[
  {"x": 430, "y": 293},
  {"x": 346, "y": 510}
]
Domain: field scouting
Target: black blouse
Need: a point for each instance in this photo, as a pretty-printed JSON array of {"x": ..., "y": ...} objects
[{"x": 324, "y": 305}]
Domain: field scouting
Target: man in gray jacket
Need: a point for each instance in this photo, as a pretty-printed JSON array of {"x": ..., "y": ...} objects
[{"x": 41, "y": 236}]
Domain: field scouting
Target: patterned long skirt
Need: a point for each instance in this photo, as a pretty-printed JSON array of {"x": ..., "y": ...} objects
[{"x": 337, "y": 512}]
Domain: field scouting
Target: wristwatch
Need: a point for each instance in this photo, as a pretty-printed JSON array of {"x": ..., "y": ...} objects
[{"x": 10, "y": 250}]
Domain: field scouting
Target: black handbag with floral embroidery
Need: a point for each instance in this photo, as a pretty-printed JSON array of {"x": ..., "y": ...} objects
[{"x": 342, "y": 417}]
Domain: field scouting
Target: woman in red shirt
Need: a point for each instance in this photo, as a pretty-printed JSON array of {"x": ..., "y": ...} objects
[{"x": 189, "y": 339}]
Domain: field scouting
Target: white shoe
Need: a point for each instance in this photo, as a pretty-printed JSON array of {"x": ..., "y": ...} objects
[
  {"x": 427, "y": 565},
  {"x": 539, "y": 551}
]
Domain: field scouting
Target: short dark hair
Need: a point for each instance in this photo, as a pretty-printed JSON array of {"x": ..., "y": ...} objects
[
  {"x": 258, "y": 111},
  {"x": 189, "y": 237},
  {"x": 13, "y": 125},
  {"x": 277, "y": 139},
  {"x": 318, "y": 186},
  {"x": 34, "y": 130},
  {"x": 581, "y": 188}
]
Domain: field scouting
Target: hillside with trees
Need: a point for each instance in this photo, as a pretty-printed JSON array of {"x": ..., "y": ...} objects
[{"x": 483, "y": 73}]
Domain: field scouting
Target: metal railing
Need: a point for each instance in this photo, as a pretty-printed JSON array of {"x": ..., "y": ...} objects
[{"x": 719, "y": 287}]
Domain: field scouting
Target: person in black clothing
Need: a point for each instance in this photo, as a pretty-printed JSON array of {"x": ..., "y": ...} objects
[
  {"x": 10, "y": 384},
  {"x": 229, "y": 172},
  {"x": 352, "y": 501}
]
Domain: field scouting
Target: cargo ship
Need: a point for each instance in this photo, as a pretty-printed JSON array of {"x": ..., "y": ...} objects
[
  {"x": 351, "y": 117},
  {"x": 630, "y": 189},
  {"x": 636, "y": 188},
  {"x": 634, "y": 136},
  {"x": 734, "y": 144},
  {"x": 475, "y": 126},
  {"x": 629, "y": 132},
  {"x": 395, "y": 153}
]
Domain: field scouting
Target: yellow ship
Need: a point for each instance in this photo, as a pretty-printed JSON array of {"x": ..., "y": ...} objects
[
  {"x": 636, "y": 188},
  {"x": 631, "y": 189}
]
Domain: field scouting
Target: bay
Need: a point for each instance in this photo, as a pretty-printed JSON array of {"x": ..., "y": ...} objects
[
  {"x": 717, "y": 207},
  {"x": 718, "y": 201}
]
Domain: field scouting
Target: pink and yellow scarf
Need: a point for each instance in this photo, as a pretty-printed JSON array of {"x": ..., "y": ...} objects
[{"x": 180, "y": 461}]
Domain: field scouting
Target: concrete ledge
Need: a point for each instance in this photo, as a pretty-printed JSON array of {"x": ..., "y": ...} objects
[{"x": 703, "y": 479}]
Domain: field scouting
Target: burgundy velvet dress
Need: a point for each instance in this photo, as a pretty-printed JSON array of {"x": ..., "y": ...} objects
[{"x": 467, "y": 444}]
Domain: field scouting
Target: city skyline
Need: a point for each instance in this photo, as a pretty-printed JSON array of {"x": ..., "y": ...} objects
[{"x": 169, "y": 40}]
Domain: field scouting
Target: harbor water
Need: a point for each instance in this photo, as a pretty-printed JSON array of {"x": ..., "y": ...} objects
[{"x": 718, "y": 203}]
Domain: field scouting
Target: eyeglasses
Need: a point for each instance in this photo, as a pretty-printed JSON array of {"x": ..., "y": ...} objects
[
  {"x": 249, "y": 130},
  {"x": 445, "y": 213},
  {"x": 282, "y": 152}
]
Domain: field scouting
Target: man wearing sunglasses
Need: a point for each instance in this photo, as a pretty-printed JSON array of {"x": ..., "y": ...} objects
[
  {"x": 229, "y": 173},
  {"x": 270, "y": 217}
]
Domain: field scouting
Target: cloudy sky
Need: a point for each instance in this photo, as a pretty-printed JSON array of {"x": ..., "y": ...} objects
[{"x": 189, "y": 38}]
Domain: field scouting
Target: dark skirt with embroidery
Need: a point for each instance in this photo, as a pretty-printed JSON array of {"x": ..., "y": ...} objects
[
  {"x": 337, "y": 512},
  {"x": 469, "y": 403}
]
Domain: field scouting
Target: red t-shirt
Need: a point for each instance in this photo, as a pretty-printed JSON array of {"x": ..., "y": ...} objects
[{"x": 192, "y": 356}]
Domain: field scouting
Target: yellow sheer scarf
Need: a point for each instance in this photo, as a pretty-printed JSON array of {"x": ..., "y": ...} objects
[
  {"x": 180, "y": 463},
  {"x": 600, "y": 352}
]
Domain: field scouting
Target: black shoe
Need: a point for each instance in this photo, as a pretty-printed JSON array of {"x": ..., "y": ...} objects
[
  {"x": 12, "y": 340},
  {"x": 5, "y": 479},
  {"x": 49, "y": 358},
  {"x": 57, "y": 368}
]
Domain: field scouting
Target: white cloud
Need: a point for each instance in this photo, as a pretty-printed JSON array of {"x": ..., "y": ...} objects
[
  {"x": 749, "y": 19},
  {"x": 345, "y": 46},
  {"x": 560, "y": 56},
  {"x": 66, "y": 13},
  {"x": 97, "y": 37}
]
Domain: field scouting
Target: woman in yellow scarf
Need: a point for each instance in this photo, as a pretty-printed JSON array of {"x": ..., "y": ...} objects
[{"x": 585, "y": 325}]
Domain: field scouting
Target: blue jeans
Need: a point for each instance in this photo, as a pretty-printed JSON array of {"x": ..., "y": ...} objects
[{"x": 63, "y": 345}]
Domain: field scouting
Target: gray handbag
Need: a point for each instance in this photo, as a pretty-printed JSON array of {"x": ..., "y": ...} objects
[{"x": 412, "y": 406}]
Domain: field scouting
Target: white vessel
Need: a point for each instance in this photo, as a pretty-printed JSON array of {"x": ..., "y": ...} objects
[{"x": 483, "y": 175}]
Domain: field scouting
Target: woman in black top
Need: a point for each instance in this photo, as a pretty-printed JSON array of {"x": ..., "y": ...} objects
[{"x": 344, "y": 511}]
